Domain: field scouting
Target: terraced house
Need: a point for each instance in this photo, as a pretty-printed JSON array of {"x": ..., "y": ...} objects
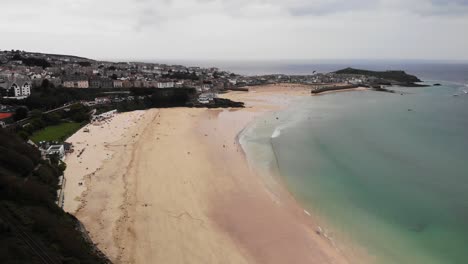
[{"x": 76, "y": 82}]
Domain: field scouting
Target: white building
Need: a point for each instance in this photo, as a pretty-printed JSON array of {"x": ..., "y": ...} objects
[
  {"x": 118, "y": 84},
  {"x": 169, "y": 84},
  {"x": 56, "y": 150},
  {"x": 15, "y": 85},
  {"x": 206, "y": 98}
]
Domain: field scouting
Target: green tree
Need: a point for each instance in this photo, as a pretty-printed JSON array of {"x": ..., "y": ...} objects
[
  {"x": 36, "y": 114},
  {"x": 62, "y": 166},
  {"x": 79, "y": 113},
  {"x": 52, "y": 118},
  {"x": 20, "y": 113},
  {"x": 23, "y": 134}
]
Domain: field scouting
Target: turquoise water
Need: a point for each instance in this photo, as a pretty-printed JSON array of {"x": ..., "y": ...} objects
[{"x": 387, "y": 171}]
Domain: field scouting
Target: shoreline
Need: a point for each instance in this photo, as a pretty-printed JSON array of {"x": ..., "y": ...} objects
[
  {"x": 276, "y": 185},
  {"x": 178, "y": 187}
]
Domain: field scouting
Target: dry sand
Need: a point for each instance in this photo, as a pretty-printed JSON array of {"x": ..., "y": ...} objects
[{"x": 173, "y": 186}]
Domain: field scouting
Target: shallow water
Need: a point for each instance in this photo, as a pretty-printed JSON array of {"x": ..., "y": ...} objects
[{"x": 386, "y": 171}]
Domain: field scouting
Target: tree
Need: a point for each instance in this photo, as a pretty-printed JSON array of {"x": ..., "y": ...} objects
[
  {"x": 46, "y": 174},
  {"x": 62, "y": 166},
  {"x": 79, "y": 113},
  {"x": 46, "y": 85},
  {"x": 84, "y": 63},
  {"x": 54, "y": 159},
  {"x": 36, "y": 62},
  {"x": 23, "y": 134},
  {"x": 36, "y": 114},
  {"x": 20, "y": 113},
  {"x": 16, "y": 57},
  {"x": 37, "y": 124},
  {"x": 52, "y": 118}
]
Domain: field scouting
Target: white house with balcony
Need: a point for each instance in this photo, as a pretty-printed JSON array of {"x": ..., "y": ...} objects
[
  {"x": 56, "y": 150},
  {"x": 13, "y": 85}
]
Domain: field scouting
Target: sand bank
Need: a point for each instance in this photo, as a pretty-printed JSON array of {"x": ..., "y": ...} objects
[{"x": 175, "y": 187}]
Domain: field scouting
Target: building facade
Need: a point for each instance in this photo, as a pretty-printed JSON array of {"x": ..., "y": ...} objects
[
  {"x": 166, "y": 84},
  {"x": 15, "y": 85},
  {"x": 76, "y": 82},
  {"x": 118, "y": 84},
  {"x": 101, "y": 83},
  {"x": 56, "y": 150}
]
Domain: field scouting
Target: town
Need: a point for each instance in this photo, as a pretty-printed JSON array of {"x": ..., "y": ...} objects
[
  {"x": 21, "y": 71},
  {"x": 36, "y": 86}
]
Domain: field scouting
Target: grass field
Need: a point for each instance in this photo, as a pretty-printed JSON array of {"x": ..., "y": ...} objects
[{"x": 56, "y": 133}]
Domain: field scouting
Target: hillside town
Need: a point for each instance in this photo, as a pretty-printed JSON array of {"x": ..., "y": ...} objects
[{"x": 20, "y": 71}]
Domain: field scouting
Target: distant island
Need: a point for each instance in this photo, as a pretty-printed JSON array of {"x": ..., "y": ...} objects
[
  {"x": 351, "y": 78},
  {"x": 400, "y": 78}
]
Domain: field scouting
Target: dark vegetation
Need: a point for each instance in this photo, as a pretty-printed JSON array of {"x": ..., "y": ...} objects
[
  {"x": 84, "y": 63},
  {"x": 146, "y": 98},
  {"x": 47, "y": 97},
  {"x": 31, "y": 61},
  {"x": 182, "y": 76},
  {"x": 219, "y": 103},
  {"x": 397, "y": 76},
  {"x": 33, "y": 229}
]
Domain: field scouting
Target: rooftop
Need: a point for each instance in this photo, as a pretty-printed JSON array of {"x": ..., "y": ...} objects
[{"x": 5, "y": 115}]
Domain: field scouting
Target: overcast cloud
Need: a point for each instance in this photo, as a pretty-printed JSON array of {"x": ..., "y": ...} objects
[{"x": 239, "y": 29}]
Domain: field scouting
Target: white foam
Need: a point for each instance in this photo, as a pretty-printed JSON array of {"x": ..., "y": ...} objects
[{"x": 276, "y": 133}]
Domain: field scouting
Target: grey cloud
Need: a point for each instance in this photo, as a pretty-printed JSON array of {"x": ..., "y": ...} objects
[
  {"x": 422, "y": 7},
  {"x": 147, "y": 18},
  {"x": 446, "y": 7},
  {"x": 149, "y": 13},
  {"x": 328, "y": 7},
  {"x": 254, "y": 29}
]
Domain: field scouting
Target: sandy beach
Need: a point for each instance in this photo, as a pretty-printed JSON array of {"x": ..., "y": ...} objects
[{"x": 174, "y": 186}]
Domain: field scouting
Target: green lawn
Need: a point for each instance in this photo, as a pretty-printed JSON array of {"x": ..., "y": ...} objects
[{"x": 56, "y": 133}]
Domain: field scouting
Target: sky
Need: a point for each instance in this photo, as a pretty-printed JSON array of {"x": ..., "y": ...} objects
[{"x": 238, "y": 29}]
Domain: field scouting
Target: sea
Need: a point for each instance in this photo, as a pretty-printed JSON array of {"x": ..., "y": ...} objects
[{"x": 386, "y": 172}]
